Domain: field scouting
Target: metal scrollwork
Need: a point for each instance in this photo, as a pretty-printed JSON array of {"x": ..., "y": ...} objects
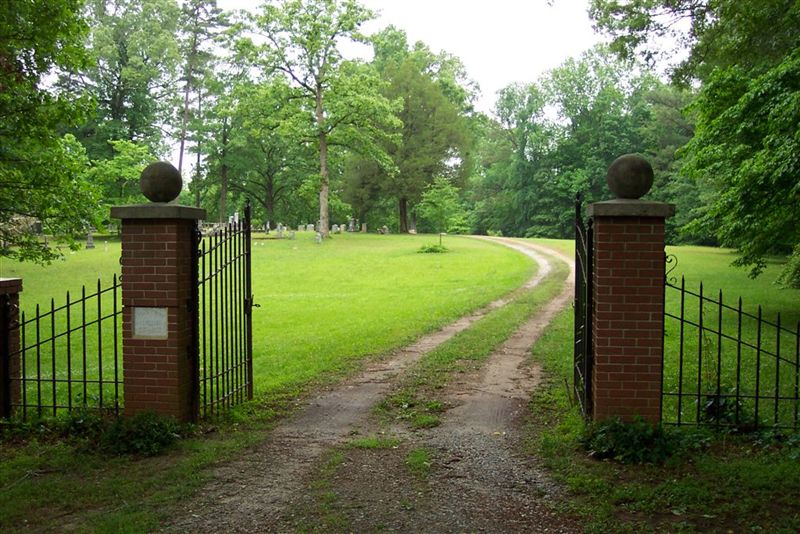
[{"x": 671, "y": 261}]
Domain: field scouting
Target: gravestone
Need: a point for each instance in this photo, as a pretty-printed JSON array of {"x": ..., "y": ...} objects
[
  {"x": 310, "y": 228},
  {"x": 90, "y": 239},
  {"x": 351, "y": 227},
  {"x": 318, "y": 238},
  {"x": 291, "y": 235},
  {"x": 335, "y": 229}
]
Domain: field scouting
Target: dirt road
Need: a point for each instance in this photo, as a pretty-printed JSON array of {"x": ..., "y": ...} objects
[{"x": 479, "y": 481}]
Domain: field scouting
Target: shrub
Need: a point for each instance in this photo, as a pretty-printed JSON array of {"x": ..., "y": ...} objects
[
  {"x": 85, "y": 424},
  {"x": 790, "y": 277},
  {"x": 634, "y": 442},
  {"x": 145, "y": 433},
  {"x": 725, "y": 410},
  {"x": 432, "y": 249}
]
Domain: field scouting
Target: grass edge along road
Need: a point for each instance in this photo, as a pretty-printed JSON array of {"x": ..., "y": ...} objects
[
  {"x": 416, "y": 399},
  {"x": 323, "y": 307},
  {"x": 717, "y": 483},
  {"x": 131, "y": 494}
]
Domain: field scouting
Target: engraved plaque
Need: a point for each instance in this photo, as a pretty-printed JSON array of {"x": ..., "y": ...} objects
[{"x": 150, "y": 323}]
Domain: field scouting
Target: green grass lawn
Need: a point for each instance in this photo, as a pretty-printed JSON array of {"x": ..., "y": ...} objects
[
  {"x": 721, "y": 483},
  {"x": 325, "y": 298},
  {"x": 712, "y": 267},
  {"x": 712, "y": 359},
  {"x": 322, "y": 307},
  {"x": 325, "y": 305},
  {"x": 40, "y": 283},
  {"x": 80, "y": 352}
]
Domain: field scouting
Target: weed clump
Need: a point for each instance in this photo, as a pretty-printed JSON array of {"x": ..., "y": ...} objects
[
  {"x": 419, "y": 462},
  {"x": 90, "y": 430},
  {"x": 146, "y": 433},
  {"x": 635, "y": 442},
  {"x": 432, "y": 249}
]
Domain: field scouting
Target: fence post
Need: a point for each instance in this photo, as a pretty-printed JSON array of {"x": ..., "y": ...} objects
[
  {"x": 10, "y": 289},
  {"x": 158, "y": 283},
  {"x": 628, "y": 295}
]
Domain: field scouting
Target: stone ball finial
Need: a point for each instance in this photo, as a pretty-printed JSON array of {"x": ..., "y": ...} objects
[
  {"x": 630, "y": 176},
  {"x": 160, "y": 182}
]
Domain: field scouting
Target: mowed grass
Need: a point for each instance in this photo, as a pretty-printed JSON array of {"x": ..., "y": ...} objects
[
  {"x": 324, "y": 306},
  {"x": 46, "y": 288},
  {"x": 712, "y": 267},
  {"x": 726, "y": 483},
  {"x": 79, "y": 268},
  {"x": 417, "y": 398},
  {"x": 706, "y": 367}
]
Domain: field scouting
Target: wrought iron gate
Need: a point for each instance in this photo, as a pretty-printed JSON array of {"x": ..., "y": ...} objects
[
  {"x": 727, "y": 367},
  {"x": 582, "y": 372},
  {"x": 223, "y": 344}
]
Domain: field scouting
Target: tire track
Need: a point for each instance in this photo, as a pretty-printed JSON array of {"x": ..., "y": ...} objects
[
  {"x": 253, "y": 491},
  {"x": 480, "y": 481}
]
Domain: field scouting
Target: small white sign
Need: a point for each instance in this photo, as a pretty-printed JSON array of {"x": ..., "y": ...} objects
[{"x": 150, "y": 323}]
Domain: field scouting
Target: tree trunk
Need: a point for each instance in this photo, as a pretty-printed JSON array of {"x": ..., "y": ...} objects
[
  {"x": 189, "y": 78},
  {"x": 197, "y": 164},
  {"x": 269, "y": 200},
  {"x": 324, "y": 184},
  {"x": 403, "y": 216},
  {"x": 223, "y": 175},
  {"x": 184, "y": 122}
]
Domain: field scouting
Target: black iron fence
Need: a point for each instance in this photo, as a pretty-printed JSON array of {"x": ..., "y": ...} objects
[
  {"x": 582, "y": 357},
  {"x": 224, "y": 345},
  {"x": 726, "y": 367},
  {"x": 69, "y": 355}
]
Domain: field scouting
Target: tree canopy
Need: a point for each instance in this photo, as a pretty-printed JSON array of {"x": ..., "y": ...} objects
[
  {"x": 269, "y": 106},
  {"x": 744, "y": 152},
  {"x": 345, "y": 106},
  {"x": 42, "y": 174}
]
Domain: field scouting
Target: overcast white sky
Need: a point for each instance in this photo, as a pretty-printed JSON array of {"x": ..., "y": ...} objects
[{"x": 499, "y": 41}]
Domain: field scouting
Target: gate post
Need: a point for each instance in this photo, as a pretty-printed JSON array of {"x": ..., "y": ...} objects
[
  {"x": 10, "y": 289},
  {"x": 628, "y": 295},
  {"x": 158, "y": 283}
]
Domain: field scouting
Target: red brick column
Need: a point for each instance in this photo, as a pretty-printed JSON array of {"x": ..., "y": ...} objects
[
  {"x": 628, "y": 308},
  {"x": 158, "y": 280},
  {"x": 10, "y": 289}
]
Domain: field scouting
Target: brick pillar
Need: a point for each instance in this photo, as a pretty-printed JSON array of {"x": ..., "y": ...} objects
[
  {"x": 158, "y": 281},
  {"x": 10, "y": 289},
  {"x": 628, "y": 308}
]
